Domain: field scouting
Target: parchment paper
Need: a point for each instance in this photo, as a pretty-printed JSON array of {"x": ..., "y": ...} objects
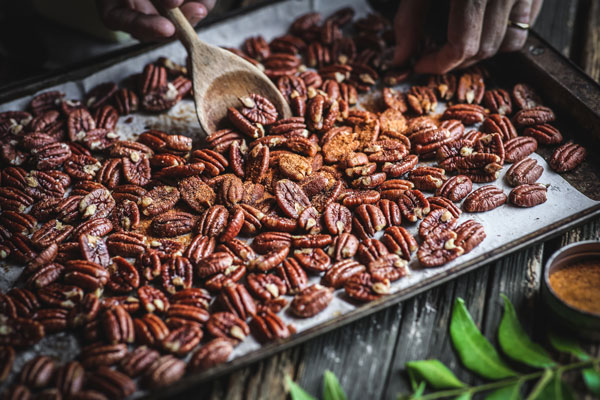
[{"x": 502, "y": 225}]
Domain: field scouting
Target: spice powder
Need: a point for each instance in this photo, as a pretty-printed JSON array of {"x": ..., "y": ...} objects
[{"x": 578, "y": 285}]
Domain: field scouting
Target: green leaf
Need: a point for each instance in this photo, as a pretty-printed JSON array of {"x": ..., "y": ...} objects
[
  {"x": 420, "y": 390},
  {"x": 567, "y": 345},
  {"x": 435, "y": 373},
  {"x": 540, "y": 386},
  {"x": 516, "y": 344},
  {"x": 296, "y": 392},
  {"x": 475, "y": 351},
  {"x": 511, "y": 392},
  {"x": 591, "y": 377},
  {"x": 556, "y": 389},
  {"x": 332, "y": 390}
]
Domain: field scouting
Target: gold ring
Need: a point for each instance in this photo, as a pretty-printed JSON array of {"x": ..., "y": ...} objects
[{"x": 519, "y": 25}]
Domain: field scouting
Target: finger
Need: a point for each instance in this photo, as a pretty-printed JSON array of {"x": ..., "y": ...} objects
[
  {"x": 493, "y": 30},
  {"x": 536, "y": 7},
  {"x": 464, "y": 33},
  {"x": 209, "y": 4},
  {"x": 194, "y": 11},
  {"x": 408, "y": 28},
  {"x": 515, "y": 37},
  {"x": 168, "y": 4},
  {"x": 141, "y": 26}
]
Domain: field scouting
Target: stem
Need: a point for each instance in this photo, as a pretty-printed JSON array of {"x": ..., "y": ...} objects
[{"x": 559, "y": 370}]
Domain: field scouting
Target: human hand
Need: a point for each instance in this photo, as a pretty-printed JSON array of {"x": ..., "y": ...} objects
[
  {"x": 141, "y": 19},
  {"x": 477, "y": 29}
]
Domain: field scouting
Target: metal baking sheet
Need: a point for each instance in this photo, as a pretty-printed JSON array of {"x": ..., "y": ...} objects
[{"x": 508, "y": 228}]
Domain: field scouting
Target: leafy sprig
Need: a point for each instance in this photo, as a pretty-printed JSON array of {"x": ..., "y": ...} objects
[{"x": 480, "y": 357}]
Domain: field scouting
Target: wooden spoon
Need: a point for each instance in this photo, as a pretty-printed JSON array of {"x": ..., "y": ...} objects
[{"x": 220, "y": 78}]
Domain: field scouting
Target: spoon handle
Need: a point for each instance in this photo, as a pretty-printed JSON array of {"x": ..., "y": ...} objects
[{"x": 200, "y": 52}]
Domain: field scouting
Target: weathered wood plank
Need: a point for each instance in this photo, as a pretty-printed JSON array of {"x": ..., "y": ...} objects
[
  {"x": 424, "y": 328},
  {"x": 358, "y": 354},
  {"x": 555, "y": 23},
  {"x": 590, "y": 60}
]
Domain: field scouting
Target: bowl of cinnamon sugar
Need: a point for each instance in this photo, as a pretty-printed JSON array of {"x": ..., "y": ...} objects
[{"x": 571, "y": 288}]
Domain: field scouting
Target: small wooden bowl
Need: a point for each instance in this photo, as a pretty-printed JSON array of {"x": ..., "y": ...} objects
[{"x": 564, "y": 316}]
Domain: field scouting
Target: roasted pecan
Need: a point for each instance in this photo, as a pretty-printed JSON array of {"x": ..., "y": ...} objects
[
  {"x": 173, "y": 224},
  {"x": 485, "y": 198},
  {"x": 437, "y": 221},
  {"x": 525, "y": 97},
  {"x": 421, "y": 99},
  {"x": 150, "y": 330},
  {"x": 182, "y": 340},
  {"x": 471, "y": 88},
  {"x": 99, "y": 354},
  {"x": 37, "y": 372},
  {"x": 439, "y": 249},
  {"x": 526, "y": 171},
  {"x": 137, "y": 361},
  {"x": 413, "y": 205},
  {"x": 456, "y": 188},
  {"x": 212, "y": 353},
  {"x": 368, "y": 220},
  {"x": 227, "y": 325},
  {"x": 362, "y": 288},
  {"x": 469, "y": 235},
  {"x": 468, "y": 114},
  {"x": 177, "y": 274},
  {"x": 267, "y": 327},
  {"x": 126, "y": 244},
  {"x": 313, "y": 259},
  {"x": 544, "y": 134},
  {"x": 399, "y": 241},
  {"x": 498, "y": 101},
  {"x": 567, "y": 157},
  {"x": 345, "y": 245},
  {"x": 69, "y": 378},
  {"x": 389, "y": 267},
  {"x": 497, "y": 123},
  {"x": 528, "y": 195},
  {"x": 518, "y": 148},
  {"x": 117, "y": 325},
  {"x": 534, "y": 116},
  {"x": 236, "y": 299},
  {"x": 311, "y": 301},
  {"x": 112, "y": 383}
]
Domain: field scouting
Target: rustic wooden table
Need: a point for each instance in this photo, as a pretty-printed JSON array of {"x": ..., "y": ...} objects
[{"x": 369, "y": 355}]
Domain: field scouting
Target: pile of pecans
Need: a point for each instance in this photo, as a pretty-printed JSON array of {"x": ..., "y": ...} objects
[{"x": 142, "y": 248}]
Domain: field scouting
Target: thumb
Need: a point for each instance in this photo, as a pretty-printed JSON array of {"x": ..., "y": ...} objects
[{"x": 408, "y": 28}]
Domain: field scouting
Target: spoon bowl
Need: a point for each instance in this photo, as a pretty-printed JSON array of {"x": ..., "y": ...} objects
[{"x": 220, "y": 78}]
